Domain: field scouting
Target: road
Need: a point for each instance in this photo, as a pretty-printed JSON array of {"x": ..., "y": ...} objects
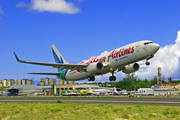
[{"x": 113, "y": 100}]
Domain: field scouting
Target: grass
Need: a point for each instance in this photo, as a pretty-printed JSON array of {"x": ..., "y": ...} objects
[{"x": 88, "y": 111}]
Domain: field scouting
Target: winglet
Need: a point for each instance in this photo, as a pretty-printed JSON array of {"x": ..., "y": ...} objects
[{"x": 16, "y": 57}]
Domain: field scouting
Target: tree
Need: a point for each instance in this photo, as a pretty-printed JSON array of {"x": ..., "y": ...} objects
[
  {"x": 52, "y": 88},
  {"x": 154, "y": 80},
  {"x": 170, "y": 79},
  {"x": 131, "y": 77},
  {"x": 100, "y": 83},
  {"x": 129, "y": 82}
]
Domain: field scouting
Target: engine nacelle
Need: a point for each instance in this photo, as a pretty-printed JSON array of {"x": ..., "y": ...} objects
[
  {"x": 95, "y": 68},
  {"x": 131, "y": 68}
]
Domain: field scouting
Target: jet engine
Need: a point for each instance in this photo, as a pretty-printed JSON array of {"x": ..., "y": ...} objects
[
  {"x": 95, "y": 68},
  {"x": 131, "y": 68}
]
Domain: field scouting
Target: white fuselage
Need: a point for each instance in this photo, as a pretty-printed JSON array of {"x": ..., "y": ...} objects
[{"x": 117, "y": 59}]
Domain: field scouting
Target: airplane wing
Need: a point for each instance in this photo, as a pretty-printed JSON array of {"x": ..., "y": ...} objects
[{"x": 55, "y": 65}]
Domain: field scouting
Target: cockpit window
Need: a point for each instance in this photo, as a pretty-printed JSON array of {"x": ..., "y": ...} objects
[{"x": 147, "y": 43}]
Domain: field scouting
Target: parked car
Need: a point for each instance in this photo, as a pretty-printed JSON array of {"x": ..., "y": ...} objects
[
  {"x": 69, "y": 94},
  {"x": 98, "y": 93},
  {"x": 1, "y": 93},
  {"x": 132, "y": 93},
  {"x": 114, "y": 93},
  {"x": 137, "y": 93},
  {"x": 38, "y": 93},
  {"x": 123, "y": 93}
]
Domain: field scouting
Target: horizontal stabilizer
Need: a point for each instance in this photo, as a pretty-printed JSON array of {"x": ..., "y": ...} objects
[{"x": 45, "y": 73}]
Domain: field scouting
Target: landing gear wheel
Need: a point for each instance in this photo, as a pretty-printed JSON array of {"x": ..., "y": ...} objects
[
  {"x": 112, "y": 78},
  {"x": 91, "y": 78},
  {"x": 147, "y": 63}
]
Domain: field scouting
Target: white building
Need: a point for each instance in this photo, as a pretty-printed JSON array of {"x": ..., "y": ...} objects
[
  {"x": 5, "y": 83},
  {"x": 167, "y": 89},
  {"x": 164, "y": 91},
  {"x": 146, "y": 91}
]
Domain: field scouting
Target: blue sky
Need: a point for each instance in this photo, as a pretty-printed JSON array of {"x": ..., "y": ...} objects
[{"x": 81, "y": 29}]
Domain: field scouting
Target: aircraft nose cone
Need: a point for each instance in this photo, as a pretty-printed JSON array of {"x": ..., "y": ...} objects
[{"x": 157, "y": 46}]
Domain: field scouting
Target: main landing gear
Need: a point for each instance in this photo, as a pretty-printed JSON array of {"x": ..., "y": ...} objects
[
  {"x": 112, "y": 78},
  {"x": 147, "y": 58},
  {"x": 91, "y": 78},
  {"x": 147, "y": 63}
]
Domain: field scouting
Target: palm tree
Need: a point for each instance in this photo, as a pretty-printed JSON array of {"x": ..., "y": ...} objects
[{"x": 170, "y": 79}]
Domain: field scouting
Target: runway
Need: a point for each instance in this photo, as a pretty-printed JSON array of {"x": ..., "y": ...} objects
[{"x": 113, "y": 100}]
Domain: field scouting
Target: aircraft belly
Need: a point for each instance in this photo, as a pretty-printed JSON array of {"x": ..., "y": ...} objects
[
  {"x": 75, "y": 75},
  {"x": 104, "y": 71}
]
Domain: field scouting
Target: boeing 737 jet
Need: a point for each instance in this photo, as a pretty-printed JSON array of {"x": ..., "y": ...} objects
[{"x": 121, "y": 59}]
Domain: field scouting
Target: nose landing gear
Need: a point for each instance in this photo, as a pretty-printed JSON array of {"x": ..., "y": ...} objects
[
  {"x": 147, "y": 63},
  {"x": 147, "y": 58}
]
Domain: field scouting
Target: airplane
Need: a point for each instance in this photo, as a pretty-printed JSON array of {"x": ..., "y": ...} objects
[{"x": 121, "y": 59}]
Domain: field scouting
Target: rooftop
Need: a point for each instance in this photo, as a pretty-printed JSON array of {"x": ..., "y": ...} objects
[
  {"x": 75, "y": 85},
  {"x": 168, "y": 84},
  {"x": 25, "y": 87}
]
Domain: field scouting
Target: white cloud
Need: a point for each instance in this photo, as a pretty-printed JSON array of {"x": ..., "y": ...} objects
[
  {"x": 21, "y": 4},
  {"x": 60, "y": 6},
  {"x": 1, "y": 12},
  {"x": 94, "y": 56},
  {"x": 104, "y": 52}
]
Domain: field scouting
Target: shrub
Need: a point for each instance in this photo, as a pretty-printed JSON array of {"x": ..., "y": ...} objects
[
  {"x": 59, "y": 101},
  {"x": 175, "y": 112},
  {"x": 125, "y": 116},
  {"x": 165, "y": 113},
  {"x": 55, "y": 110},
  {"x": 116, "y": 110}
]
